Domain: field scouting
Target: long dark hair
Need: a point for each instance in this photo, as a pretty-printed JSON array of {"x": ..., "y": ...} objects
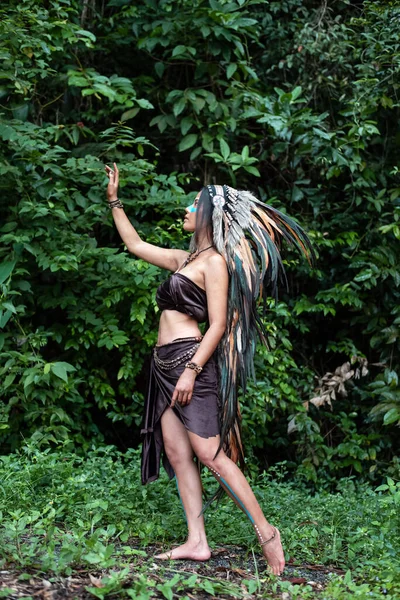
[{"x": 204, "y": 223}]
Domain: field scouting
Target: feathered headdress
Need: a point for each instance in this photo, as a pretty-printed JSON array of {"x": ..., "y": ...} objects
[{"x": 248, "y": 234}]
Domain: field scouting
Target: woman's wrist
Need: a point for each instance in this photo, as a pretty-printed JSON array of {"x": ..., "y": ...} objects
[
  {"x": 190, "y": 373},
  {"x": 193, "y": 367},
  {"x": 115, "y": 203}
]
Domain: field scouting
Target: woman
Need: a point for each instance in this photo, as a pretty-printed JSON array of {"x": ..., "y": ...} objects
[{"x": 191, "y": 406}]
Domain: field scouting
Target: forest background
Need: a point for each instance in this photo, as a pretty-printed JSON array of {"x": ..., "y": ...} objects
[{"x": 297, "y": 101}]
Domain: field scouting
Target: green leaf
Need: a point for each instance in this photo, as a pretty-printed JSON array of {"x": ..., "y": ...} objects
[
  {"x": 29, "y": 380},
  {"x": 85, "y": 33},
  {"x": 364, "y": 275},
  {"x": 225, "y": 150},
  {"x": 208, "y": 587},
  {"x": 6, "y": 268},
  {"x": 382, "y": 488},
  {"x": 322, "y": 134},
  {"x": 8, "y": 133},
  {"x": 9, "y": 306},
  {"x": 10, "y": 226},
  {"x": 251, "y": 584},
  {"x": 60, "y": 370},
  {"x": 179, "y": 50},
  {"x": 392, "y": 416},
  {"x": 129, "y": 114},
  {"x": 179, "y": 106},
  {"x": 186, "y": 124},
  {"x": 195, "y": 153},
  {"x": 159, "y": 69},
  {"x": 9, "y": 380},
  {"x": 252, "y": 170},
  {"x": 240, "y": 47},
  {"x": 143, "y": 103},
  {"x": 231, "y": 70},
  {"x": 166, "y": 590},
  {"x": 251, "y": 72},
  {"x": 296, "y": 92},
  {"x": 297, "y": 194},
  {"x": 105, "y": 90},
  {"x": 4, "y": 318},
  {"x": 245, "y": 153},
  {"x": 75, "y": 135},
  {"x": 187, "y": 142},
  {"x": 347, "y": 577},
  {"x": 207, "y": 142}
]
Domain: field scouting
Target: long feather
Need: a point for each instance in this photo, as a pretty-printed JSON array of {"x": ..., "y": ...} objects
[{"x": 252, "y": 250}]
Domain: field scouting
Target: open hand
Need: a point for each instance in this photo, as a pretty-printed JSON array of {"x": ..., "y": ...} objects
[
  {"x": 113, "y": 181},
  {"x": 184, "y": 388}
]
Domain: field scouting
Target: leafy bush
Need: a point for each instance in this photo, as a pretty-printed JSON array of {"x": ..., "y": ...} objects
[{"x": 294, "y": 100}]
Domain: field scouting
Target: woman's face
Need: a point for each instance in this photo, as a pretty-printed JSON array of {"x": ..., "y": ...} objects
[{"x": 189, "y": 222}]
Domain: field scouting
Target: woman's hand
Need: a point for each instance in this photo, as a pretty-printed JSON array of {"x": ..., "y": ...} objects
[
  {"x": 184, "y": 388},
  {"x": 113, "y": 181}
]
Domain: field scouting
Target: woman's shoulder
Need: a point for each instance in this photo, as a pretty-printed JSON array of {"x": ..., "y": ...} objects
[{"x": 215, "y": 263}]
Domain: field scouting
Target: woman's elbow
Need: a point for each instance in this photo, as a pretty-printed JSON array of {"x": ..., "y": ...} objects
[{"x": 218, "y": 328}]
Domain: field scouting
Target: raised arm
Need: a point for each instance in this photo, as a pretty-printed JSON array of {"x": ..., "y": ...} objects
[{"x": 161, "y": 257}]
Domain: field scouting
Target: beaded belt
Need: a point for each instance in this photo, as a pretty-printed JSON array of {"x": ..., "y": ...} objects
[{"x": 168, "y": 365}]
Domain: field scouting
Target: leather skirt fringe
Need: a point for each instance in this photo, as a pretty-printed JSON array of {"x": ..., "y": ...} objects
[{"x": 200, "y": 416}]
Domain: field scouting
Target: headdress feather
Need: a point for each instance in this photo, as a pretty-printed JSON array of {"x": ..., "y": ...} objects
[{"x": 249, "y": 234}]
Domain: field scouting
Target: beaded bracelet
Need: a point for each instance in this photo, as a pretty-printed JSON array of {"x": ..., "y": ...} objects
[
  {"x": 115, "y": 204},
  {"x": 194, "y": 367}
]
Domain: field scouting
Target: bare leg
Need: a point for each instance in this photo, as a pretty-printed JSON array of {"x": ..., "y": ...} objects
[
  {"x": 180, "y": 455},
  {"x": 236, "y": 485}
]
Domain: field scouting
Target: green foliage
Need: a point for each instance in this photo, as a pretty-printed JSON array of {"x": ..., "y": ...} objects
[
  {"x": 62, "y": 513},
  {"x": 66, "y": 299},
  {"x": 297, "y": 101}
]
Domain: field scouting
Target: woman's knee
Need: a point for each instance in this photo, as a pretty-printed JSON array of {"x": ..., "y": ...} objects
[
  {"x": 178, "y": 454},
  {"x": 212, "y": 461}
]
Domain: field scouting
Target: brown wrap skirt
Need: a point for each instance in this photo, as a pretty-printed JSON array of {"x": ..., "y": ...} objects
[{"x": 200, "y": 416}]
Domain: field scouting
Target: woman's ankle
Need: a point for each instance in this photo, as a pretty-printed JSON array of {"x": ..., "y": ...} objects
[
  {"x": 197, "y": 539},
  {"x": 265, "y": 531}
]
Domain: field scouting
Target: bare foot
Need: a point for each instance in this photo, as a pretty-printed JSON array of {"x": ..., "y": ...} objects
[
  {"x": 273, "y": 552},
  {"x": 189, "y": 550}
]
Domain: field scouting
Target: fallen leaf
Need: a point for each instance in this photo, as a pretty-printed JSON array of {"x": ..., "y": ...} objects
[
  {"x": 218, "y": 551},
  {"x": 96, "y": 581},
  {"x": 241, "y": 572},
  {"x": 296, "y": 579}
]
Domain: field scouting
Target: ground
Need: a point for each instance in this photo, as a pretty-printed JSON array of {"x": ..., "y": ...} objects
[
  {"x": 231, "y": 570},
  {"x": 81, "y": 526}
]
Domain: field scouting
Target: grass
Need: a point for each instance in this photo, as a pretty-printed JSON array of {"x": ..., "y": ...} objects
[{"x": 68, "y": 517}]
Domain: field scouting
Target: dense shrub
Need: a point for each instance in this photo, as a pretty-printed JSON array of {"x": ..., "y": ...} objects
[{"x": 295, "y": 100}]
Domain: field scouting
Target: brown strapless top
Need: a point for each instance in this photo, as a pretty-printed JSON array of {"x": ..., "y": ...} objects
[{"x": 179, "y": 292}]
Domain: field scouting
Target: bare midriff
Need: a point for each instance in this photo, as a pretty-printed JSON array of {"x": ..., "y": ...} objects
[{"x": 174, "y": 324}]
